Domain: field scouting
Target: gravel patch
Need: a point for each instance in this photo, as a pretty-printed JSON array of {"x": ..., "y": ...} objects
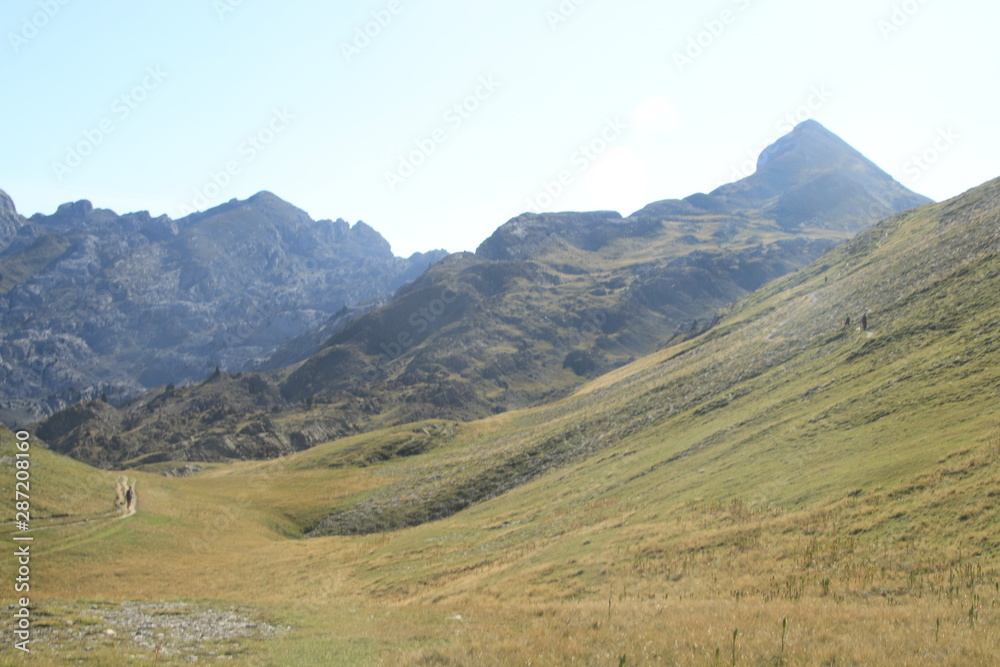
[{"x": 177, "y": 630}]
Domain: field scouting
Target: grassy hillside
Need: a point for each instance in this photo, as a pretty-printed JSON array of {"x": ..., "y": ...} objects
[{"x": 779, "y": 490}]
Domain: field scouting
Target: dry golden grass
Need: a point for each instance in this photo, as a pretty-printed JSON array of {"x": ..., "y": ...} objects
[{"x": 857, "y": 579}]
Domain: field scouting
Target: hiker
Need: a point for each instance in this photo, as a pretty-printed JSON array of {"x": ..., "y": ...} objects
[
  {"x": 847, "y": 322},
  {"x": 129, "y": 496},
  {"x": 864, "y": 322}
]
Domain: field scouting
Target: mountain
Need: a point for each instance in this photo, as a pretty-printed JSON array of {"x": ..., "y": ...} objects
[
  {"x": 545, "y": 303},
  {"x": 550, "y": 298},
  {"x": 10, "y": 221},
  {"x": 810, "y": 178},
  {"x": 780, "y": 489},
  {"x": 92, "y": 302},
  {"x": 780, "y": 378}
]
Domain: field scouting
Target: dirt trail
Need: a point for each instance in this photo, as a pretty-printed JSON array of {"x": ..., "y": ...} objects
[
  {"x": 120, "y": 511},
  {"x": 121, "y": 487}
]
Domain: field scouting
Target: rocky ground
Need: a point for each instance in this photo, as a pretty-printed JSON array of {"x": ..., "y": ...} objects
[{"x": 148, "y": 630}]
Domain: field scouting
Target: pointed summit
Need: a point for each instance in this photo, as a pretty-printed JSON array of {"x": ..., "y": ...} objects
[
  {"x": 266, "y": 198},
  {"x": 808, "y": 140},
  {"x": 807, "y": 147},
  {"x": 266, "y": 203},
  {"x": 808, "y": 179},
  {"x": 811, "y": 177},
  {"x": 263, "y": 203}
]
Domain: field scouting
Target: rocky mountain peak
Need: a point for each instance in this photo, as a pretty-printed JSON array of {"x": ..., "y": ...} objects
[
  {"x": 274, "y": 208},
  {"x": 10, "y": 221},
  {"x": 530, "y": 234},
  {"x": 811, "y": 178},
  {"x": 808, "y": 146},
  {"x": 75, "y": 210},
  {"x": 364, "y": 230},
  {"x": 7, "y": 208},
  {"x": 156, "y": 301},
  {"x": 265, "y": 196},
  {"x": 365, "y": 239}
]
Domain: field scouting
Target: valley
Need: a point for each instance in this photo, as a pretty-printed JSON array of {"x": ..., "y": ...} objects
[{"x": 775, "y": 489}]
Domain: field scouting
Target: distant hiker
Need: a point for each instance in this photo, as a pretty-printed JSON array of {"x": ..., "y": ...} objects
[
  {"x": 847, "y": 322},
  {"x": 129, "y": 496},
  {"x": 864, "y": 322}
]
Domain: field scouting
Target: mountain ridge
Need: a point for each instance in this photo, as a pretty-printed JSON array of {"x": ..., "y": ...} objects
[
  {"x": 547, "y": 301},
  {"x": 92, "y": 302},
  {"x": 922, "y": 278}
]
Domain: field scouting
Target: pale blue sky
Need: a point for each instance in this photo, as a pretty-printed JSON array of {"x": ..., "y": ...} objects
[{"x": 224, "y": 98}]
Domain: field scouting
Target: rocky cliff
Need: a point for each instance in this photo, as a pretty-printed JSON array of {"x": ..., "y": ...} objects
[{"x": 92, "y": 302}]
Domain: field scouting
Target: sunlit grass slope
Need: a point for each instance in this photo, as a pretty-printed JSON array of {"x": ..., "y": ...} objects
[{"x": 780, "y": 490}]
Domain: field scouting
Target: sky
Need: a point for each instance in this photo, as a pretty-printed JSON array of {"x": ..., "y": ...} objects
[{"x": 435, "y": 121}]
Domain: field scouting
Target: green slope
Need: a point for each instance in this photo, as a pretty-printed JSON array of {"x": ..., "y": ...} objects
[{"x": 58, "y": 484}]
